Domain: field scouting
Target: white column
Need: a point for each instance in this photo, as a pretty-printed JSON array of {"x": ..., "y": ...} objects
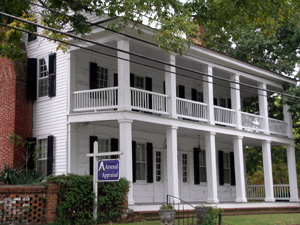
[
  {"x": 172, "y": 164},
  {"x": 72, "y": 149},
  {"x": 124, "y": 95},
  {"x": 236, "y": 99},
  {"x": 170, "y": 82},
  {"x": 239, "y": 169},
  {"x": 211, "y": 167},
  {"x": 72, "y": 57},
  {"x": 209, "y": 94},
  {"x": 263, "y": 106},
  {"x": 291, "y": 160},
  {"x": 288, "y": 119},
  {"x": 125, "y": 134},
  {"x": 268, "y": 176}
]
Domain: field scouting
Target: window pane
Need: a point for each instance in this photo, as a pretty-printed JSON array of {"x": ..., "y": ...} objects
[
  {"x": 42, "y": 166},
  {"x": 140, "y": 171},
  {"x": 102, "y": 77},
  {"x": 140, "y": 162},
  {"x": 202, "y": 166},
  {"x": 202, "y": 173},
  {"x": 139, "y": 82}
]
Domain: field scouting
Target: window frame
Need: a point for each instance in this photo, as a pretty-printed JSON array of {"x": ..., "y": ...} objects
[
  {"x": 158, "y": 166},
  {"x": 202, "y": 154},
  {"x": 226, "y": 169},
  {"x": 143, "y": 82},
  {"x": 199, "y": 96},
  {"x": 144, "y": 162},
  {"x": 185, "y": 169},
  {"x": 44, "y": 77},
  {"x": 99, "y": 80},
  {"x": 45, "y": 152}
]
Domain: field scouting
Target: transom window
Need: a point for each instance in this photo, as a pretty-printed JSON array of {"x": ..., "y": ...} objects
[
  {"x": 42, "y": 146},
  {"x": 141, "y": 162},
  {"x": 202, "y": 166},
  {"x": 42, "y": 78},
  {"x": 158, "y": 166},
  {"x": 226, "y": 164},
  {"x": 139, "y": 82},
  {"x": 102, "y": 77},
  {"x": 184, "y": 168}
]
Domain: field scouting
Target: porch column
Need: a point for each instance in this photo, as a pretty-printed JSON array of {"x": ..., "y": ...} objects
[
  {"x": 288, "y": 119},
  {"x": 268, "y": 176},
  {"x": 209, "y": 94},
  {"x": 170, "y": 84},
  {"x": 172, "y": 164},
  {"x": 124, "y": 95},
  {"x": 72, "y": 57},
  {"x": 239, "y": 169},
  {"x": 72, "y": 149},
  {"x": 291, "y": 160},
  {"x": 211, "y": 167},
  {"x": 263, "y": 106},
  {"x": 236, "y": 99},
  {"x": 125, "y": 135}
]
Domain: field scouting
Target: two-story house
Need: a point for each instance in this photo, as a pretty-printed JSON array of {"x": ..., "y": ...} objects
[{"x": 178, "y": 120}]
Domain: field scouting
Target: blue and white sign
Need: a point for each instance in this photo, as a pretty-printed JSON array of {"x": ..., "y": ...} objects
[{"x": 108, "y": 170}]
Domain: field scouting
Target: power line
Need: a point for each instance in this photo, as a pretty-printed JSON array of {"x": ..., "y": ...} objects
[
  {"x": 150, "y": 43},
  {"x": 151, "y": 59}
]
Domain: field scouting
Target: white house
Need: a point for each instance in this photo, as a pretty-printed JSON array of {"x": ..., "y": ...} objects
[{"x": 157, "y": 114}]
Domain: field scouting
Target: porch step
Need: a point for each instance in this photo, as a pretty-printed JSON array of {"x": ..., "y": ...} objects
[{"x": 153, "y": 215}]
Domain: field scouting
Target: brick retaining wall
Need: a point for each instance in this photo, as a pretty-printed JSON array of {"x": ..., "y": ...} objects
[{"x": 28, "y": 204}]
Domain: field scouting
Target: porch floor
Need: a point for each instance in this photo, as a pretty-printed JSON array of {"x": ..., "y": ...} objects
[{"x": 151, "y": 207}]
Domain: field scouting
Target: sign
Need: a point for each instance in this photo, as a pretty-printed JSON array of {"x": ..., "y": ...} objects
[{"x": 108, "y": 170}]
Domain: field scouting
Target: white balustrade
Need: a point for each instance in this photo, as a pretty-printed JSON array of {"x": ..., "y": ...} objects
[
  {"x": 148, "y": 101},
  {"x": 278, "y": 127},
  {"x": 95, "y": 99},
  {"x": 252, "y": 122},
  {"x": 224, "y": 116},
  {"x": 191, "y": 109},
  {"x": 256, "y": 192},
  {"x": 281, "y": 191}
]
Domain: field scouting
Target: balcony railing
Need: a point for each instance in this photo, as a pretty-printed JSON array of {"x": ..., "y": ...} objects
[
  {"x": 191, "y": 109},
  {"x": 96, "y": 99},
  {"x": 278, "y": 127},
  {"x": 224, "y": 116},
  {"x": 252, "y": 122},
  {"x": 149, "y": 101},
  {"x": 257, "y": 192}
]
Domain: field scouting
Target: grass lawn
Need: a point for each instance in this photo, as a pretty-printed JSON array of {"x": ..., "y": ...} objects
[{"x": 261, "y": 219}]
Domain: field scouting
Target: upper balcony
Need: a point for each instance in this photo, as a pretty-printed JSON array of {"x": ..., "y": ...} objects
[{"x": 207, "y": 93}]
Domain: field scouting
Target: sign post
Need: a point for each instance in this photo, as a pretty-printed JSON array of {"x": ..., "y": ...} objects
[{"x": 104, "y": 171}]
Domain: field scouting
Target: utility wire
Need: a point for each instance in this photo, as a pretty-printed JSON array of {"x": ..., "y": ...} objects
[
  {"x": 150, "y": 43},
  {"x": 135, "y": 54}
]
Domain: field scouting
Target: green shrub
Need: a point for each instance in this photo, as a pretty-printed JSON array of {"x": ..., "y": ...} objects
[
  {"x": 76, "y": 199},
  {"x": 211, "y": 216}
]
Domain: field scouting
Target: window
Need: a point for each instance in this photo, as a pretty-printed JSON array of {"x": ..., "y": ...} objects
[
  {"x": 141, "y": 162},
  {"x": 202, "y": 166},
  {"x": 139, "y": 82},
  {"x": 42, "y": 78},
  {"x": 42, "y": 156},
  {"x": 222, "y": 102},
  {"x": 103, "y": 146},
  {"x": 102, "y": 77},
  {"x": 226, "y": 164},
  {"x": 184, "y": 168},
  {"x": 199, "y": 96},
  {"x": 158, "y": 166}
]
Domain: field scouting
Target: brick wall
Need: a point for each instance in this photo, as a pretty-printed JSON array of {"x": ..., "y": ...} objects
[
  {"x": 28, "y": 204},
  {"x": 15, "y": 111}
]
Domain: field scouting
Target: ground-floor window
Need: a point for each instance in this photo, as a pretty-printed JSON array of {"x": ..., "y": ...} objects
[
  {"x": 141, "y": 159},
  {"x": 226, "y": 164},
  {"x": 103, "y": 146},
  {"x": 202, "y": 167},
  {"x": 42, "y": 146}
]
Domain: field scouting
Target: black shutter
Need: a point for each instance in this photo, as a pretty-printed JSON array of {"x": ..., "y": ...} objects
[
  {"x": 149, "y": 88},
  {"x": 93, "y": 75},
  {"x": 92, "y": 140},
  {"x": 164, "y": 87},
  {"x": 116, "y": 83},
  {"x": 32, "y": 37},
  {"x": 196, "y": 166},
  {"x": 181, "y": 91},
  {"x": 52, "y": 75},
  {"x": 215, "y": 101},
  {"x": 149, "y": 163},
  {"x": 31, "y": 83},
  {"x": 133, "y": 161},
  {"x": 232, "y": 171},
  {"x": 50, "y": 156},
  {"x": 30, "y": 153},
  {"x": 131, "y": 80},
  {"x": 194, "y": 94},
  {"x": 229, "y": 103},
  {"x": 114, "y": 145},
  {"x": 221, "y": 168}
]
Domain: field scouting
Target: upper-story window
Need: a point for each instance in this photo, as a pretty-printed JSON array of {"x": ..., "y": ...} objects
[
  {"x": 222, "y": 102},
  {"x": 42, "y": 78},
  {"x": 139, "y": 82},
  {"x": 102, "y": 77}
]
